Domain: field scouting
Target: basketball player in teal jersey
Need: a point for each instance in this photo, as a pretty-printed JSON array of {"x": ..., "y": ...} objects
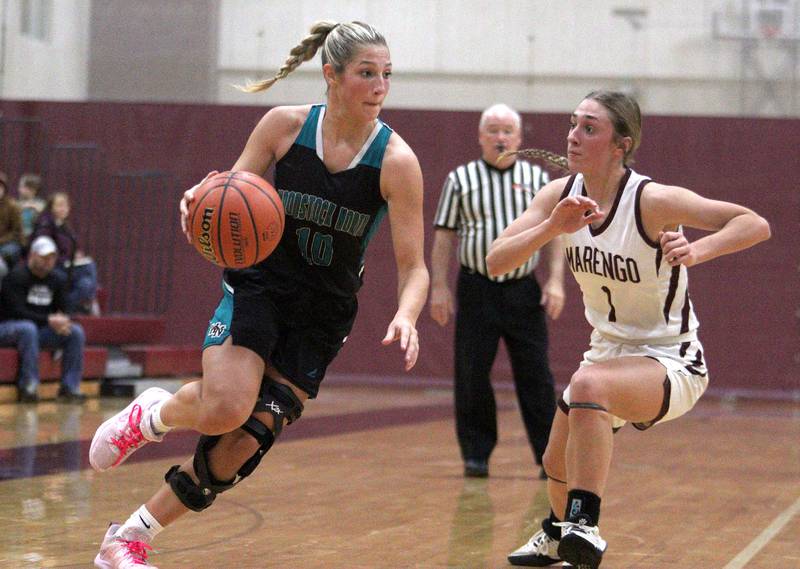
[
  {"x": 624, "y": 243},
  {"x": 339, "y": 170}
]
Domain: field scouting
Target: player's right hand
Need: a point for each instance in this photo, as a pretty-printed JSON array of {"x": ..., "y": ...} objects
[
  {"x": 188, "y": 197},
  {"x": 574, "y": 213}
]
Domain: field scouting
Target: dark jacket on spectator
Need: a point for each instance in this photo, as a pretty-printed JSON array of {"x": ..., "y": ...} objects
[{"x": 24, "y": 296}]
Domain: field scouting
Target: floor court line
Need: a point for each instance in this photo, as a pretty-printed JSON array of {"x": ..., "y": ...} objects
[
  {"x": 55, "y": 458},
  {"x": 744, "y": 557}
]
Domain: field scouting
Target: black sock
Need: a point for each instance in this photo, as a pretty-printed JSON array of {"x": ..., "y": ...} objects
[
  {"x": 552, "y": 531},
  {"x": 583, "y": 507}
]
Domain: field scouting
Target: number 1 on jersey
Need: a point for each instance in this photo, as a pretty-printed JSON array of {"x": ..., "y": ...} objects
[{"x": 612, "y": 313}]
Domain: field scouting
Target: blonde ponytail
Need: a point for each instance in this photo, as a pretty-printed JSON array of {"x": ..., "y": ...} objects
[
  {"x": 339, "y": 44},
  {"x": 551, "y": 158}
]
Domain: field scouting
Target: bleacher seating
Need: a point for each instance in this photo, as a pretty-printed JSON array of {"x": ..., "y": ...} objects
[
  {"x": 133, "y": 337},
  {"x": 94, "y": 368},
  {"x": 164, "y": 360}
]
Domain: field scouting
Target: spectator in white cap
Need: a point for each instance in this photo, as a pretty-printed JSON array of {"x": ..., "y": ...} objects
[{"x": 32, "y": 317}]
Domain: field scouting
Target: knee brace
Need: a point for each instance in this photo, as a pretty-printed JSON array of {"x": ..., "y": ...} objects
[
  {"x": 275, "y": 398},
  {"x": 199, "y": 496}
]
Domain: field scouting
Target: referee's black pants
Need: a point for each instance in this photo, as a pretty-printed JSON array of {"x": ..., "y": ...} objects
[{"x": 486, "y": 312}]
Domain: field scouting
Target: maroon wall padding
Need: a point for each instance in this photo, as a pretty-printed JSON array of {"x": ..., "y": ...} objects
[
  {"x": 117, "y": 330},
  {"x": 166, "y": 360},
  {"x": 94, "y": 364},
  {"x": 746, "y": 303}
]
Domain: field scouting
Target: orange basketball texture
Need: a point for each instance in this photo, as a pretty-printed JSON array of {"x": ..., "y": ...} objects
[{"x": 236, "y": 219}]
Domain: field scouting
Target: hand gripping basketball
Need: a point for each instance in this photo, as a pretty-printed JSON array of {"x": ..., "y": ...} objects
[{"x": 235, "y": 220}]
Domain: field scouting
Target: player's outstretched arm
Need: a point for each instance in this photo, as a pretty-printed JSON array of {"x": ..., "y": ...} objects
[{"x": 401, "y": 186}]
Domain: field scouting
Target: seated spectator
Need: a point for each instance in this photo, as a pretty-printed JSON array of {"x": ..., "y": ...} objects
[
  {"x": 29, "y": 202},
  {"x": 79, "y": 269},
  {"x": 10, "y": 228},
  {"x": 32, "y": 308}
]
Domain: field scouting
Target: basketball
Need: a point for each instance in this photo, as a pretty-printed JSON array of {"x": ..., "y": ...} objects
[{"x": 236, "y": 219}]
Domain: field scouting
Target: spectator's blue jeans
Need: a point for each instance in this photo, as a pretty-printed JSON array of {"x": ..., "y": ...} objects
[
  {"x": 11, "y": 252},
  {"x": 82, "y": 289},
  {"x": 29, "y": 338}
]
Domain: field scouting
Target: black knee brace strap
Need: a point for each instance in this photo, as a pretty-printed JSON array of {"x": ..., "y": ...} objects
[
  {"x": 589, "y": 406},
  {"x": 554, "y": 479},
  {"x": 189, "y": 493},
  {"x": 198, "y": 496},
  {"x": 279, "y": 400}
]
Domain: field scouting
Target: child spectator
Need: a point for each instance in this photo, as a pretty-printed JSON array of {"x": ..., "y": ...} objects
[{"x": 29, "y": 202}]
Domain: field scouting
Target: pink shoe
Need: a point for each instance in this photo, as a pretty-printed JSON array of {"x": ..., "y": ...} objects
[
  {"x": 125, "y": 432},
  {"x": 118, "y": 553}
]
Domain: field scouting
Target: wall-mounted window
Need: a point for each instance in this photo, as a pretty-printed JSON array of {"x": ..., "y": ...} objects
[{"x": 36, "y": 18}]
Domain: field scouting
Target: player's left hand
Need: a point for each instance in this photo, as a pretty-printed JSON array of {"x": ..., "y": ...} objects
[
  {"x": 676, "y": 249},
  {"x": 403, "y": 329}
]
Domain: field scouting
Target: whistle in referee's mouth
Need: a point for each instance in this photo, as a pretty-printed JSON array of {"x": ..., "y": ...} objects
[{"x": 500, "y": 148}]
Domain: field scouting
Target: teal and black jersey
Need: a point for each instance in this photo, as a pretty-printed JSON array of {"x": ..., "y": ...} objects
[{"x": 330, "y": 217}]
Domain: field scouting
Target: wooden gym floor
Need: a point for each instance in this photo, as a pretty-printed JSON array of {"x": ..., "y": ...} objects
[{"x": 370, "y": 477}]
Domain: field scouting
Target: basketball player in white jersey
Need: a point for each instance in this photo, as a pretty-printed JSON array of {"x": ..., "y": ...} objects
[{"x": 624, "y": 243}]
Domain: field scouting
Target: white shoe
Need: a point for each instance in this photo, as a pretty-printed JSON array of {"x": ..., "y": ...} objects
[
  {"x": 125, "y": 432},
  {"x": 540, "y": 551},
  {"x": 118, "y": 553},
  {"x": 581, "y": 545}
]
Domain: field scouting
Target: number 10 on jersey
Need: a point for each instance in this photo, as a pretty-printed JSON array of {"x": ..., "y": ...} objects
[{"x": 316, "y": 250}]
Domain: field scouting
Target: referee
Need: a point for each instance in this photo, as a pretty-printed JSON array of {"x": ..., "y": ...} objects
[{"x": 479, "y": 200}]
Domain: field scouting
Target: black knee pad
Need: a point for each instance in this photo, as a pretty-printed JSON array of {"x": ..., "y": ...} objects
[{"x": 280, "y": 401}]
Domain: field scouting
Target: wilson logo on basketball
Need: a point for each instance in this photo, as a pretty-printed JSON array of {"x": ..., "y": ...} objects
[
  {"x": 237, "y": 220},
  {"x": 204, "y": 239}
]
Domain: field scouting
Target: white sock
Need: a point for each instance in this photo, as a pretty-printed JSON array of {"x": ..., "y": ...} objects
[
  {"x": 141, "y": 526},
  {"x": 157, "y": 425}
]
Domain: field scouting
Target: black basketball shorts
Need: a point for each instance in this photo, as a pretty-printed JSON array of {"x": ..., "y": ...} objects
[{"x": 298, "y": 333}]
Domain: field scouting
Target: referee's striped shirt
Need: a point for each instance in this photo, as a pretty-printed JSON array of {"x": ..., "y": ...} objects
[{"x": 480, "y": 201}]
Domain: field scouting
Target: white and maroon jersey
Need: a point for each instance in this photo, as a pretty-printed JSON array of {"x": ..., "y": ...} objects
[{"x": 630, "y": 292}]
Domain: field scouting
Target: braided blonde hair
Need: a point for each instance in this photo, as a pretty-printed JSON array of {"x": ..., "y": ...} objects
[
  {"x": 339, "y": 43},
  {"x": 551, "y": 158}
]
